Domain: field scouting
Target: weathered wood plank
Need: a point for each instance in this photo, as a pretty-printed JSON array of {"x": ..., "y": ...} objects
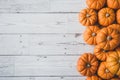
[
  {"x": 43, "y": 44},
  {"x": 40, "y": 23},
  {"x": 42, "y": 78},
  {"x": 38, "y": 66},
  {"x": 8, "y": 6}
]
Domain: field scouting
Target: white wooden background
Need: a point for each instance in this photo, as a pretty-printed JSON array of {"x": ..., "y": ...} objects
[{"x": 41, "y": 39}]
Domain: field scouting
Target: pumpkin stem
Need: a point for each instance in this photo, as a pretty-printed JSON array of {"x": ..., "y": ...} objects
[
  {"x": 119, "y": 60},
  {"x": 107, "y": 14},
  {"x": 106, "y": 70},
  {"x": 88, "y": 65},
  {"x": 109, "y": 38},
  {"x": 105, "y": 51},
  {"x": 88, "y": 15},
  {"x": 93, "y": 34}
]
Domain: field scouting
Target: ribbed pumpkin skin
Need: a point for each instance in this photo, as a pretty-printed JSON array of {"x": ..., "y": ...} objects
[
  {"x": 93, "y": 78},
  {"x": 115, "y": 79},
  {"x": 113, "y": 62},
  {"x": 87, "y": 17},
  {"x": 118, "y": 16},
  {"x": 108, "y": 38},
  {"x": 90, "y": 34},
  {"x": 114, "y": 4},
  {"x": 95, "y": 4},
  {"x": 102, "y": 21},
  {"x": 115, "y": 26},
  {"x": 87, "y": 64},
  {"x": 100, "y": 53},
  {"x": 103, "y": 71},
  {"x": 106, "y": 16}
]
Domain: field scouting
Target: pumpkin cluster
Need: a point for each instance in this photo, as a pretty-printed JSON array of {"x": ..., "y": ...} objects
[{"x": 102, "y": 21}]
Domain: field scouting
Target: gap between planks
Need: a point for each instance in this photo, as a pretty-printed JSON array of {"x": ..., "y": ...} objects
[
  {"x": 37, "y": 6},
  {"x": 42, "y": 78},
  {"x": 40, "y": 12}
]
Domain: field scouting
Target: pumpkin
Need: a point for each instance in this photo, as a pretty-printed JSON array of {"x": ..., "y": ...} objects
[
  {"x": 108, "y": 38},
  {"x": 118, "y": 16},
  {"x": 114, "y": 4},
  {"x": 87, "y": 17},
  {"x": 96, "y": 4},
  {"x": 100, "y": 53},
  {"x": 113, "y": 62},
  {"x": 115, "y": 79},
  {"x": 87, "y": 64},
  {"x": 104, "y": 72},
  {"x": 93, "y": 78},
  {"x": 115, "y": 26},
  {"x": 90, "y": 34},
  {"x": 106, "y": 16}
]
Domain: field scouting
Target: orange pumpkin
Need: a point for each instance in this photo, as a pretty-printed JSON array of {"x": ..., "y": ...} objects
[
  {"x": 90, "y": 34},
  {"x": 113, "y": 62},
  {"x": 93, "y": 78},
  {"x": 87, "y": 64},
  {"x": 88, "y": 17},
  {"x": 115, "y": 26},
  {"x": 106, "y": 16},
  {"x": 96, "y": 4},
  {"x": 114, "y": 4},
  {"x": 104, "y": 72},
  {"x": 108, "y": 38},
  {"x": 118, "y": 16},
  {"x": 115, "y": 79},
  {"x": 100, "y": 53}
]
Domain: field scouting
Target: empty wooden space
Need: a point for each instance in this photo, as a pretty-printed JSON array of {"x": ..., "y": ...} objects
[{"x": 41, "y": 39}]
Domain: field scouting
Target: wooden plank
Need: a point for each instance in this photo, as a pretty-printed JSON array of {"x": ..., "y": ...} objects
[
  {"x": 40, "y": 23},
  {"x": 42, "y": 78},
  {"x": 37, "y": 6},
  {"x": 38, "y": 66},
  {"x": 43, "y": 44}
]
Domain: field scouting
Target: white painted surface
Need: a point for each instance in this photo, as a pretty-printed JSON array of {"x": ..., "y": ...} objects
[
  {"x": 40, "y": 23},
  {"x": 41, "y": 39},
  {"x": 41, "y": 6},
  {"x": 42, "y": 78}
]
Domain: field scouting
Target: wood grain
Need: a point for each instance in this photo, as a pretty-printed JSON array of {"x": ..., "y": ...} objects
[
  {"x": 49, "y": 66},
  {"x": 43, "y": 44},
  {"x": 37, "y": 6},
  {"x": 40, "y": 23},
  {"x": 42, "y": 78},
  {"x": 41, "y": 39}
]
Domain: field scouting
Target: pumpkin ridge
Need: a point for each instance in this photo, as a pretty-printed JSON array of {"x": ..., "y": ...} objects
[{"x": 93, "y": 3}]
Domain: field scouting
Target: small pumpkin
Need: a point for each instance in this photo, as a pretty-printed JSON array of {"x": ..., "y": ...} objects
[
  {"x": 108, "y": 38},
  {"x": 96, "y": 4},
  {"x": 87, "y": 64},
  {"x": 113, "y": 62},
  {"x": 115, "y": 79},
  {"x": 90, "y": 34},
  {"x": 100, "y": 53},
  {"x": 118, "y": 16},
  {"x": 106, "y": 16},
  {"x": 115, "y": 26},
  {"x": 93, "y": 78},
  {"x": 114, "y": 4},
  {"x": 104, "y": 72},
  {"x": 88, "y": 17}
]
